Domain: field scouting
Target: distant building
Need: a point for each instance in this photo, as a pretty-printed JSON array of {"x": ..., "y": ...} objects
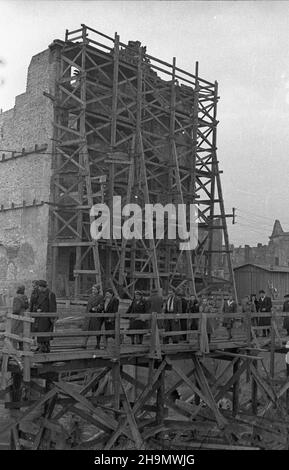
[
  {"x": 251, "y": 278},
  {"x": 275, "y": 253}
]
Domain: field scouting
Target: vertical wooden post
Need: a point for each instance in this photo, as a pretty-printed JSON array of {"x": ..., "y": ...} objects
[
  {"x": 254, "y": 391},
  {"x": 152, "y": 346},
  {"x": 26, "y": 348},
  {"x": 236, "y": 388},
  {"x": 219, "y": 196},
  {"x": 112, "y": 143},
  {"x": 272, "y": 352},
  {"x": 249, "y": 339},
  {"x": 160, "y": 414},
  {"x": 116, "y": 367},
  {"x": 287, "y": 391},
  {"x": 5, "y": 356}
]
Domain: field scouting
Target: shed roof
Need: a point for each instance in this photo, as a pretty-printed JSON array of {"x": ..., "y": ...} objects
[{"x": 278, "y": 269}]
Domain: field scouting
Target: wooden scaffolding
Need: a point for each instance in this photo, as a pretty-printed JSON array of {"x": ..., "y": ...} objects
[{"x": 128, "y": 124}]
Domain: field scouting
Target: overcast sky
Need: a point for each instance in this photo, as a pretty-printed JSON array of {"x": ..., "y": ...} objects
[{"x": 243, "y": 45}]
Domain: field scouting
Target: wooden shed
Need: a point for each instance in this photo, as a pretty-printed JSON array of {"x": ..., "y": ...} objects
[{"x": 250, "y": 278}]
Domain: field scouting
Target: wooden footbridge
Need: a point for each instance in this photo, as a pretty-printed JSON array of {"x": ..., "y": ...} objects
[{"x": 129, "y": 391}]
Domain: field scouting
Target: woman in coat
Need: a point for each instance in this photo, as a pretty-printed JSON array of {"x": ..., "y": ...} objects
[
  {"x": 94, "y": 305},
  {"x": 110, "y": 306},
  {"x": 20, "y": 304},
  {"x": 205, "y": 307},
  {"x": 193, "y": 306},
  {"x": 138, "y": 305}
]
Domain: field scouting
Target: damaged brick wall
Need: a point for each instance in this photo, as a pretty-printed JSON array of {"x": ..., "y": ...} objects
[{"x": 24, "y": 230}]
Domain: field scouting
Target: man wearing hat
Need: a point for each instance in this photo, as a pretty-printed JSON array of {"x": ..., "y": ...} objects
[
  {"x": 173, "y": 305},
  {"x": 44, "y": 302},
  {"x": 110, "y": 305},
  {"x": 138, "y": 305},
  {"x": 286, "y": 309},
  {"x": 230, "y": 306},
  {"x": 34, "y": 295},
  {"x": 264, "y": 305}
]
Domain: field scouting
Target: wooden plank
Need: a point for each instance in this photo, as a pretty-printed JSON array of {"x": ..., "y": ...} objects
[
  {"x": 254, "y": 393},
  {"x": 132, "y": 422},
  {"x": 188, "y": 382},
  {"x": 132, "y": 380},
  {"x": 272, "y": 352},
  {"x": 16, "y": 438},
  {"x": 20, "y": 318},
  {"x": 236, "y": 387},
  {"x": 101, "y": 416},
  {"x": 85, "y": 389},
  {"x": 255, "y": 339},
  {"x": 44, "y": 421},
  {"x": 160, "y": 414},
  {"x": 26, "y": 349},
  {"x": 18, "y": 337},
  {"x": 177, "y": 384},
  {"x": 213, "y": 446},
  {"x": 231, "y": 381},
  {"x": 4, "y": 372},
  {"x": 209, "y": 396},
  {"x": 147, "y": 392},
  {"x": 261, "y": 382},
  {"x": 7, "y": 346},
  {"x": 88, "y": 417}
]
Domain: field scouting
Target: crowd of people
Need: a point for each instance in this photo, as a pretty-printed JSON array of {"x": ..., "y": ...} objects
[
  {"x": 100, "y": 303},
  {"x": 176, "y": 302},
  {"x": 42, "y": 300}
]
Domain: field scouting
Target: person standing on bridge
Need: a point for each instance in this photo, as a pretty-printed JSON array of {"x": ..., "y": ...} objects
[
  {"x": 264, "y": 305},
  {"x": 138, "y": 305},
  {"x": 95, "y": 304},
  {"x": 20, "y": 304},
  {"x": 110, "y": 305},
  {"x": 230, "y": 306},
  {"x": 44, "y": 302},
  {"x": 155, "y": 304},
  {"x": 193, "y": 307},
  {"x": 173, "y": 305}
]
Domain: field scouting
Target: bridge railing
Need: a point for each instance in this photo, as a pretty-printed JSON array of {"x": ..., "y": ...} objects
[{"x": 155, "y": 332}]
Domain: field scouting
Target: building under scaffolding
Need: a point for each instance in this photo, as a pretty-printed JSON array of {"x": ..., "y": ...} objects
[
  {"x": 114, "y": 121},
  {"x": 101, "y": 119}
]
